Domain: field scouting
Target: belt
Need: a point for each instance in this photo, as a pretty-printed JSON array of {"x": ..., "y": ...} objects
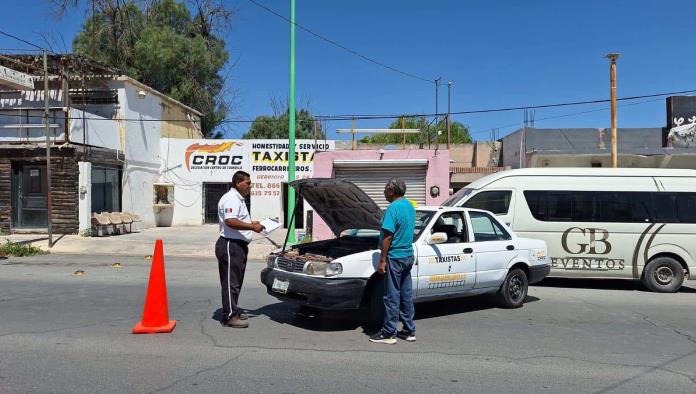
[{"x": 237, "y": 240}]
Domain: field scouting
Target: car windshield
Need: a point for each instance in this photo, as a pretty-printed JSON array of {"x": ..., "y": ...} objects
[
  {"x": 422, "y": 219},
  {"x": 456, "y": 197}
]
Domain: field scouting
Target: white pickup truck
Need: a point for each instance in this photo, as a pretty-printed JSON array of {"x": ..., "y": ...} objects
[{"x": 459, "y": 252}]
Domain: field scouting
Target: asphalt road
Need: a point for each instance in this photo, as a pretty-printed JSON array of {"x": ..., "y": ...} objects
[{"x": 65, "y": 333}]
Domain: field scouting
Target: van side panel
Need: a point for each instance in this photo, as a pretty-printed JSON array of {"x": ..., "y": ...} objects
[{"x": 585, "y": 249}]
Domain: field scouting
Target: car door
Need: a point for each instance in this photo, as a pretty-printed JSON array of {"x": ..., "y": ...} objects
[
  {"x": 493, "y": 247},
  {"x": 448, "y": 267}
]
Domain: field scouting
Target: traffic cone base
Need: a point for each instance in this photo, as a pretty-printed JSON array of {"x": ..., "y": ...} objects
[
  {"x": 156, "y": 311},
  {"x": 140, "y": 329}
]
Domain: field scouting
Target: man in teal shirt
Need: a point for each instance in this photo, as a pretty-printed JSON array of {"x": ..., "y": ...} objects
[{"x": 395, "y": 263}]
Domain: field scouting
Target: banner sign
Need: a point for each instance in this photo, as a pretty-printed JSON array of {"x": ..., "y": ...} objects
[{"x": 15, "y": 79}]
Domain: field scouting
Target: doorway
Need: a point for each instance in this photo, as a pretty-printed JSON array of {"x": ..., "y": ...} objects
[{"x": 29, "y": 196}]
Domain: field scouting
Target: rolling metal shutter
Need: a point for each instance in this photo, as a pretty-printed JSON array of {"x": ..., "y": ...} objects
[{"x": 371, "y": 176}]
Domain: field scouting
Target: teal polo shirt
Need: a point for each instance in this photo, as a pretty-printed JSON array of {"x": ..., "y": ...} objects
[{"x": 400, "y": 220}]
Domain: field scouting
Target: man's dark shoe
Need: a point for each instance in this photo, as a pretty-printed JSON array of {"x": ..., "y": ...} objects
[
  {"x": 406, "y": 335},
  {"x": 236, "y": 322},
  {"x": 381, "y": 338}
]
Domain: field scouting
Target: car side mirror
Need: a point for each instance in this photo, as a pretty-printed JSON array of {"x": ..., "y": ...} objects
[{"x": 437, "y": 238}]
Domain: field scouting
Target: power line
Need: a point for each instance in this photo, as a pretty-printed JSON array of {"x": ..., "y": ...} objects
[
  {"x": 332, "y": 42},
  {"x": 489, "y": 110},
  {"x": 562, "y": 116},
  {"x": 20, "y": 39}
]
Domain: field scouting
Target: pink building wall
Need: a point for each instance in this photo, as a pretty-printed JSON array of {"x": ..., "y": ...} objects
[{"x": 437, "y": 174}]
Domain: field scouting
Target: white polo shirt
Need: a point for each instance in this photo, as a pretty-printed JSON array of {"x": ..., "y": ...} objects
[{"x": 233, "y": 206}]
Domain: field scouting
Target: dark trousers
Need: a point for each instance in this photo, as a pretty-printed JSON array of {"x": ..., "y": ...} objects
[{"x": 232, "y": 259}]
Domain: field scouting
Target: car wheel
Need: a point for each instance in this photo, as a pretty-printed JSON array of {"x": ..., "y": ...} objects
[
  {"x": 513, "y": 291},
  {"x": 377, "y": 303},
  {"x": 663, "y": 275}
]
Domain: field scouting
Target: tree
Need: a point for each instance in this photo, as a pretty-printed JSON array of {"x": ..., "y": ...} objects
[
  {"x": 172, "y": 46},
  {"x": 459, "y": 133},
  {"x": 277, "y": 126}
]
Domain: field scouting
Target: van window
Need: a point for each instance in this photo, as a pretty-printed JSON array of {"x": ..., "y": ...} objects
[
  {"x": 485, "y": 228},
  {"x": 456, "y": 197},
  {"x": 618, "y": 207},
  {"x": 496, "y": 201}
]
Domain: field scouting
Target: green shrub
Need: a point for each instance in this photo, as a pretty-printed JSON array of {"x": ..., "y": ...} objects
[{"x": 20, "y": 250}]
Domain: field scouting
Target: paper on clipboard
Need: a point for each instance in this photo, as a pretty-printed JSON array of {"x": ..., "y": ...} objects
[{"x": 269, "y": 225}]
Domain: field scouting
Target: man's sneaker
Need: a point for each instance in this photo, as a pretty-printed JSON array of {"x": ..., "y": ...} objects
[
  {"x": 381, "y": 338},
  {"x": 406, "y": 335}
]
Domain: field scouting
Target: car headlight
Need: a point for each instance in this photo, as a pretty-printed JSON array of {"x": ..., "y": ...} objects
[
  {"x": 334, "y": 269},
  {"x": 323, "y": 268},
  {"x": 271, "y": 261}
]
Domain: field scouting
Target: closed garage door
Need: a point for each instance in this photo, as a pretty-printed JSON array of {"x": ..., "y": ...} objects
[{"x": 373, "y": 175}]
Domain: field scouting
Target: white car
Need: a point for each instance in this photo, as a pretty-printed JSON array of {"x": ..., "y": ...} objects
[{"x": 459, "y": 252}]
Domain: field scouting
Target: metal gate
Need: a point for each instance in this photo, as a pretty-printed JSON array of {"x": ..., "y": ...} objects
[
  {"x": 212, "y": 192},
  {"x": 373, "y": 175}
]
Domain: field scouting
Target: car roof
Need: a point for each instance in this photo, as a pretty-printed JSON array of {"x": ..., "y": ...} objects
[{"x": 433, "y": 208}]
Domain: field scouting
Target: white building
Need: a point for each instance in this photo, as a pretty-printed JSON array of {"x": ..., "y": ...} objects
[{"x": 105, "y": 144}]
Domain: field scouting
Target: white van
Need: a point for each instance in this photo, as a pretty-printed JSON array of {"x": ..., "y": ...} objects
[{"x": 635, "y": 223}]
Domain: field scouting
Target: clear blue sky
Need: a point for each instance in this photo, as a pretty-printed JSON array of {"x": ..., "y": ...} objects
[{"x": 498, "y": 53}]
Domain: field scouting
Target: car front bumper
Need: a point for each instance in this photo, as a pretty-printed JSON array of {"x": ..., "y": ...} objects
[
  {"x": 538, "y": 272},
  {"x": 323, "y": 293}
]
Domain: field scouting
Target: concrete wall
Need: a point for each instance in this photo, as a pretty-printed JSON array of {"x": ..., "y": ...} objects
[
  {"x": 177, "y": 129},
  {"x": 85, "y": 196},
  {"x": 95, "y": 130},
  {"x": 512, "y": 150},
  {"x": 437, "y": 173},
  {"x": 636, "y": 161},
  {"x": 141, "y": 141}
]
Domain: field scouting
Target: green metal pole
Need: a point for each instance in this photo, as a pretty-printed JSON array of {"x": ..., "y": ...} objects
[{"x": 291, "y": 137}]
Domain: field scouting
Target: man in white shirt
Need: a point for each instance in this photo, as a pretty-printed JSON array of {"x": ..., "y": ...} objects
[{"x": 231, "y": 248}]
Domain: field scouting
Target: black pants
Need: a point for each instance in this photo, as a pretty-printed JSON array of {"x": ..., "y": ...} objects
[{"x": 232, "y": 259}]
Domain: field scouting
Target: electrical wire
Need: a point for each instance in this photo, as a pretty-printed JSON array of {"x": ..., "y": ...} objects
[
  {"x": 22, "y": 40},
  {"x": 334, "y": 43}
]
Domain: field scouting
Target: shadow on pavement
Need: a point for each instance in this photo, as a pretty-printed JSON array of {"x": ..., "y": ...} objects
[
  {"x": 313, "y": 319},
  {"x": 605, "y": 284}
]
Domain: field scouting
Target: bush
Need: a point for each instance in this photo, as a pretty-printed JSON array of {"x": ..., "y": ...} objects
[{"x": 20, "y": 250}]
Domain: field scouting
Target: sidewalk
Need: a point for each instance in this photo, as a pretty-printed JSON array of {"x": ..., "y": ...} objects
[{"x": 186, "y": 241}]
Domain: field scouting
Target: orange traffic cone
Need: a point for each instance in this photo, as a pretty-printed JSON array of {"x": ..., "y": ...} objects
[{"x": 155, "y": 313}]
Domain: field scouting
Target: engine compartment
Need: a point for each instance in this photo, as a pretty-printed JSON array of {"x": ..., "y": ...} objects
[{"x": 331, "y": 249}]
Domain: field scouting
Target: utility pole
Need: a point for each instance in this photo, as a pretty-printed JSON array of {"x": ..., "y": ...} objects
[
  {"x": 449, "y": 122},
  {"x": 49, "y": 207},
  {"x": 93, "y": 38},
  {"x": 612, "y": 76},
  {"x": 291, "y": 148},
  {"x": 437, "y": 137}
]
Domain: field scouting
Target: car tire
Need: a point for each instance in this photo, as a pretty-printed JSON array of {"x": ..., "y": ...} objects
[
  {"x": 663, "y": 275},
  {"x": 376, "y": 303},
  {"x": 513, "y": 291}
]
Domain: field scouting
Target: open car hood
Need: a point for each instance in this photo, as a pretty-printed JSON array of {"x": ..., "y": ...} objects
[{"x": 340, "y": 203}]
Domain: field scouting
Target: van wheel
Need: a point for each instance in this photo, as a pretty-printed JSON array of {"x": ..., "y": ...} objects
[
  {"x": 663, "y": 275},
  {"x": 513, "y": 291},
  {"x": 377, "y": 303}
]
